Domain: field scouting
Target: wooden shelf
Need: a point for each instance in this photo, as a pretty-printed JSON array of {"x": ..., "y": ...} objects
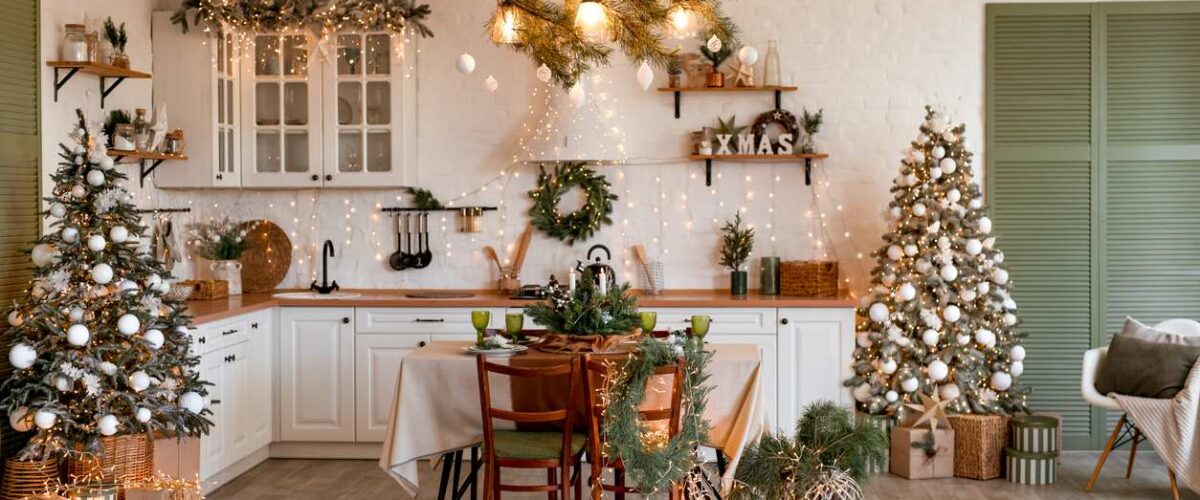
[
  {"x": 143, "y": 157},
  {"x": 807, "y": 158},
  {"x": 778, "y": 90},
  {"x": 104, "y": 71}
]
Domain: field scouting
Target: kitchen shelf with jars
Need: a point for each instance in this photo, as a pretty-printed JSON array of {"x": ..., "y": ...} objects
[
  {"x": 269, "y": 113},
  {"x": 84, "y": 52}
]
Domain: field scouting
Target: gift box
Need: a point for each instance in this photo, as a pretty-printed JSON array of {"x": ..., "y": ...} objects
[
  {"x": 921, "y": 461},
  {"x": 1032, "y": 468},
  {"x": 979, "y": 442},
  {"x": 883, "y": 423},
  {"x": 1035, "y": 434}
]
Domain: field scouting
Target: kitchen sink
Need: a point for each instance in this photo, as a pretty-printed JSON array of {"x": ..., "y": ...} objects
[{"x": 317, "y": 296}]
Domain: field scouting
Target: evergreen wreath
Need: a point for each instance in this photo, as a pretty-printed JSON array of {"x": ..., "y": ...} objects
[
  {"x": 655, "y": 468},
  {"x": 582, "y": 223}
]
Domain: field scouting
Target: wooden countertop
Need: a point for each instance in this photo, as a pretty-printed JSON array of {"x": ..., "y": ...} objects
[{"x": 208, "y": 311}]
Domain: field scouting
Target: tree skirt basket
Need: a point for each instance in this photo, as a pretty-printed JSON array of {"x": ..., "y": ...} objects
[
  {"x": 27, "y": 478},
  {"x": 577, "y": 344},
  {"x": 979, "y": 445},
  {"x": 809, "y": 278},
  {"x": 125, "y": 459}
]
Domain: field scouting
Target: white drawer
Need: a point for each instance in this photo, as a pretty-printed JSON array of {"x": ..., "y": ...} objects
[
  {"x": 724, "y": 320},
  {"x": 220, "y": 334},
  {"x": 432, "y": 320}
]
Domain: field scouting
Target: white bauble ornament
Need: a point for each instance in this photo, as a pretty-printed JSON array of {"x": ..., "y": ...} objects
[
  {"x": 999, "y": 276},
  {"x": 1001, "y": 381},
  {"x": 938, "y": 152},
  {"x": 543, "y": 73},
  {"x": 96, "y": 243},
  {"x": 43, "y": 254},
  {"x": 15, "y": 319},
  {"x": 891, "y": 396},
  {"x": 107, "y": 425},
  {"x": 985, "y": 225},
  {"x": 45, "y": 419},
  {"x": 863, "y": 339},
  {"x": 142, "y": 415},
  {"x": 21, "y": 420},
  {"x": 1010, "y": 319},
  {"x": 69, "y": 234},
  {"x": 862, "y": 393},
  {"x": 998, "y": 258},
  {"x": 903, "y": 341},
  {"x": 78, "y": 335},
  {"x": 139, "y": 381},
  {"x": 983, "y": 288},
  {"x": 895, "y": 253},
  {"x": 153, "y": 281},
  {"x": 128, "y": 324},
  {"x": 923, "y": 266},
  {"x": 930, "y": 337},
  {"x": 127, "y": 286},
  {"x": 78, "y": 191},
  {"x": 962, "y": 339},
  {"x": 63, "y": 384},
  {"x": 889, "y": 279},
  {"x": 577, "y": 95},
  {"x": 910, "y": 249},
  {"x": 58, "y": 210},
  {"x": 973, "y": 246},
  {"x": 909, "y": 384},
  {"x": 943, "y": 243},
  {"x": 465, "y": 63},
  {"x": 154, "y": 338},
  {"x": 191, "y": 401},
  {"x": 907, "y": 292},
  {"x": 949, "y": 392},
  {"x": 714, "y": 44},
  {"x": 985, "y": 338},
  {"x": 934, "y": 228},
  {"x": 954, "y": 195},
  {"x": 108, "y": 368},
  {"x": 894, "y": 212},
  {"x": 1017, "y": 353},
  {"x": 919, "y": 209},
  {"x": 923, "y": 139},
  {"x": 878, "y": 312},
  {"x": 935, "y": 173},
  {"x": 645, "y": 75},
  {"x": 951, "y": 313},
  {"x": 949, "y": 273},
  {"x": 95, "y": 178},
  {"x": 1009, "y": 304},
  {"x": 118, "y": 234},
  {"x": 21, "y": 356},
  {"x": 748, "y": 55},
  {"x": 102, "y": 273},
  {"x": 975, "y": 203},
  {"x": 938, "y": 370},
  {"x": 989, "y": 242},
  {"x": 1017, "y": 368},
  {"x": 106, "y": 162},
  {"x": 967, "y": 295},
  {"x": 918, "y": 156},
  {"x": 910, "y": 179},
  {"x": 889, "y": 366},
  {"x": 948, "y": 165}
]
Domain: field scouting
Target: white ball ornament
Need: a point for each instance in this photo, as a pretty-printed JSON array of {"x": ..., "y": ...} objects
[
  {"x": 919, "y": 209},
  {"x": 910, "y": 179},
  {"x": 889, "y": 366},
  {"x": 954, "y": 195},
  {"x": 21, "y": 420},
  {"x": 863, "y": 339},
  {"x": 96, "y": 243},
  {"x": 949, "y": 273},
  {"x": 975, "y": 203},
  {"x": 102, "y": 273},
  {"x": 938, "y": 370},
  {"x": 985, "y": 338},
  {"x": 889, "y": 279},
  {"x": 923, "y": 266},
  {"x": 862, "y": 393},
  {"x": 891, "y": 396},
  {"x": 78, "y": 335},
  {"x": 923, "y": 139},
  {"x": 967, "y": 295},
  {"x": 935, "y": 173},
  {"x": 153, "y": 281},
  {"x": 878, "y": 312},
  {"x": 999, "y": 276},
  {"x": 1010, "y": 319},
  {"x": 1017, "y": 353},
  {"x": 934, "y": 228},
  {"x": 930, "y": 337},
  {"x": 948, "y": 392},
  {"x": 43, "y": 254},
  {"x": 78, "y": 191},
  {"x": 894, "y": 212},
  {"x": 948, "y": 165},
  {"x": 951, "y": 313},
  {"x": 191, "y": 401},
  {"x": 998, "y": 258},
  {"x": 139, "y": 381},
  {"x": 108, "y": 368},
  {"x": 983, "y": 288},
  {"x": 22, "y": 356},
  {"x": 907, "y": 292},
  {"x": 918, "y": 156},
  {"x": 943, "y": 243},
  {"x": 45, "y": 419},
  {"x": 938, "y": 152},
  {"x": 15, "y": 319},
  {"x": 465, "y": 63},
  {"x": 1001, "y": 381},
  {"x": 1017, "y": 368},
  {"x": 962, "y": 339},
  {"x": 127, "y": 286},
  {"x": 973, "y": 246},
  {"x": 142, "y": 415},
  {"x": 95, "y": 178},
  {"x": 909, "y": 384},
  {"x": 1009, "y": 304},
  {"x": 748, "y": 55},
  {"x": 106, "y": 162},
  {"x": 893, "y": 252},
  {"x": 128, "y": 324},
  {"x": 154, "y": 338},
  {"x": 107, "y": 425},
  {"x": 985, "y": 224},
  {"x": 58, "y": 210},
  {"x": 63, "y": 384},
  {"x": 69, "y": 234},
  {"x": 910, "y": 249},
  {"x": 118, "y": 234}
]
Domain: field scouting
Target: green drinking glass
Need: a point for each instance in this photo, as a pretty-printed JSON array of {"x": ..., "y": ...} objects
[
  {"x": 648, "y": 321},
  {"x": 700, "y": 323},
  {"x": 514, "y": 323},
  {"x": 480, "y": 320}
]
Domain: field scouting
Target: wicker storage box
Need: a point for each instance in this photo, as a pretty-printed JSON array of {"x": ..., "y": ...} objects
[
  {"x": 1031, "y": 468},
  {"x": 209, "y": 289},
  {"x": 809, "y": 278},
  {"x": 22, "y": 479},
  {"x": 127, "y": 458},
  {"x": 979, "y": 442}
]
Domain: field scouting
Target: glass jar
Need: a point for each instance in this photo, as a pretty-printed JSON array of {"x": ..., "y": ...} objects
[
  {"x": 141, "y": 131},
  {"x": 93, "y": 47},
  {"x": 771, "y": 70},
  {"x": 123, "y": 137},
  {"x": 75, "y": 44}
]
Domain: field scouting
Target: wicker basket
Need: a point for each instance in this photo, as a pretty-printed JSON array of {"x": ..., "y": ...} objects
[
  {"x": 127, "y": 458},
  {"x": 809, "y": 278},
  {"x": 979, "y": 445},
  {"x": 27, "y": 478},
  {"x": 209, "y": 289}
]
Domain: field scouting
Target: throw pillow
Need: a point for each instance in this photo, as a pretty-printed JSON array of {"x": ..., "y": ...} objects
[
  {"x": 1136, "y": 329},
  {"x": 1137, "y": 367}
]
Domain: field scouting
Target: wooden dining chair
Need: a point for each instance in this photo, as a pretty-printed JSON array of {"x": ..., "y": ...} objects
[
  {"x": 555, "y": 451},
  {"x": 595, "y": 372}
]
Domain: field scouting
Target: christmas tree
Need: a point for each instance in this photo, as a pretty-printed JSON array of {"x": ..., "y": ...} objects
[
  {"x": 938, "y": 317},
  {"x": 96, "y": 346}
]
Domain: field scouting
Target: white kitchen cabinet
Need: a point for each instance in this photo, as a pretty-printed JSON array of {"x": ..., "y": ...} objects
[
  {"x": 815, "y": 346},
  {"x": 440, "y": 323},
  {"x": 195, "y": 77},
  {"x": 377, "y": 365},
  {"x": 281, "y": 111},
  {"x": 258, "y": 417},
  {"x": 759, "y": 321},
  {"x": 316, "y": 374},
  {"x": 214, "y": 446}
]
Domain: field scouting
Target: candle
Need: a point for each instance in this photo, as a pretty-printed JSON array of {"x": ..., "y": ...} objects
[
  {"x": 572, "y": 276},
  {"x": 603, "y": 282}
]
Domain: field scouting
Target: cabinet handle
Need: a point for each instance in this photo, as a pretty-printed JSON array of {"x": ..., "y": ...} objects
[
  {"x": 215, "y": 401},
  {"x": 254, "y": 325},
  {"x": 783, "y": 321},
  {"x": 328, "y": 177},
  {"x": 316, "y": 177},
  {"x": 346, "y": 320},
  {"x": 687, "y": 320},
  {"x": 233, "y": 357},
  {"x": 202, "y": 340},
  {"x": 438, "y": 320},
  {"x": 421, "y": 344},
  {"x": 219, "y": 177}
]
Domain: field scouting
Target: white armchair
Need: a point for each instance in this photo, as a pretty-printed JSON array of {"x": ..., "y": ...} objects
[{"x": 1124, "y": 431}]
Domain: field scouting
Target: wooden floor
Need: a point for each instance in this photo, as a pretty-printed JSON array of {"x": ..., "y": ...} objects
[{"x": 361, "y": 479}]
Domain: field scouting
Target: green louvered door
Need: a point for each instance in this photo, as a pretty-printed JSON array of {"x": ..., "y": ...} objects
[
  {"x": 1039, "y": 168},
  {"x": 1093, "y": 168}
]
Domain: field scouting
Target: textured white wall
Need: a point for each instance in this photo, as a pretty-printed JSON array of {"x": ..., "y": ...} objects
[{"x": 871, "y": 64}]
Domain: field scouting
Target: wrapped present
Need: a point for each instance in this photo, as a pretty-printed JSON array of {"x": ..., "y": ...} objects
[
  {"x": 1031, "y": 468},
  {"x": 883, "y": 423},
  {"x": 1035, "y": 434},
  {"x": 979, "y": 442},
  {"x": 922, "y": 453}
]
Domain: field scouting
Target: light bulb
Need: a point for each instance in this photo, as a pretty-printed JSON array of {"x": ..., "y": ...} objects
[
  {"x": 506, "y": 24},
  {"x": 682, "y": 22},
  {"x": 591, "y": 19}
]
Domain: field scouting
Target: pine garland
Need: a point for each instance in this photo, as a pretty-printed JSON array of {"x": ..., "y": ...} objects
[
  {"x": 319, "y": 16},
  {"x": 583, "y": 222},
  {"x": 655, "y": 468}
]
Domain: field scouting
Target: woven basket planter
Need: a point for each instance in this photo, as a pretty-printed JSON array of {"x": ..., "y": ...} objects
[
  {"x": 128, "y": 458},
  {"x": 809, "y": 278},
  {"x": 28, "y": 478},
  {"x": 979, "y": 445}
]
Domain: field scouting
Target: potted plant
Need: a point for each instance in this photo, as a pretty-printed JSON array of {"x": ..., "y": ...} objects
[
  {"x": 716, "y": 79},
  {"x": 593, "y": 317},
  {"x": 811, "y": 124},
  {"x": 117, "y": 38},
  {"x": 737, "y": 243},
  {"x": 222, "y": 242},
  {"x": 674, "y": 71}
]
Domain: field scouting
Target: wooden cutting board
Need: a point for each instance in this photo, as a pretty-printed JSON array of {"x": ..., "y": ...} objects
[
  {"x": 265, "y": 263},
  {"x": 439, "y": 294}
]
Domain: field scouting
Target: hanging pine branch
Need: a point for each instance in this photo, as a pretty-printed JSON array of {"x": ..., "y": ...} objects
[{"x": 319, "y": 16}]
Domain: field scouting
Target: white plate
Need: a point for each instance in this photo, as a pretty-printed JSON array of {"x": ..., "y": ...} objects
[{"x": 497, "y": 352}]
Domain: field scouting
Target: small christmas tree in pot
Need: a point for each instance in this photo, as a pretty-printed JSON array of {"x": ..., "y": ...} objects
[
  {"x": 99, "y": 352},
  {"x": 591, "y": 317},
  {"x": 736, "y": 244}
]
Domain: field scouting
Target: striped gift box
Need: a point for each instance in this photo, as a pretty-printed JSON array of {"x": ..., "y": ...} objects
[
  {"x": 1031, "y": 468},
  {"x": 885, "y": 424},
  {"x": 1035, "y": 434}
]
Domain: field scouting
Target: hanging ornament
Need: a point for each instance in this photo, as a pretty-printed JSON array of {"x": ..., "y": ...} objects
[
  {"x": 191, "y": 401},
  {"x": 967, "y": 295},
  {"x": 63, "y": 384},
  {"x": 907, "y": 292},
  {"x": 142, "y": 415},
  {"x": 909, "y": 384},
  {"x": 1017, "y": 353},
  {"x": 139, "y": 381},
  {"x": 69, "y": 234},
  {"x": 1001, "y": 381},
  {"x": 919, "y": 209},
  {"x": 465, "y": 63},
  {"x": 128, "y": 324},
  {"x": 645, "y": 76},
  {"x": 938, "y": 370},
  {"x": 15, "y": 319},
  {"x": 78, "y": 191},
  {"x": 96, "y": 243},
  {"x": 577, "y": 95},
  {"x": 154, "y": 338},
  {"x": 948, "y": 165},
  {"x": 952, "y": 313},
  {"x": 45, "y": 419},
  {"x": 949, "y": 391},
  {"x": 891, "y": 396},
  {"x": 862, "y": 393},
  {"x": 930, "y": 337},
  {"x": 58, "y": 210},
  {"x": 1000, "y": 276},
  {"x": 985, "y": 225},
  {"x": 962, "y": 339},
  {"x": 953, "y": 195},
  {"x": 107, "y": 425},
  {"x": 889, "y": 366},
  {"x": 43, "y": 254},
  {"x": 102, "y": 273},
  {"x": 878, "y": 312},
  {"x": 543, "y": 73},
  {"x": 491, "y": 84},
  {"x": 949, "y": 273},
  {"x": 22, "y": 356},
  {"x": 910, "y": 249},
  {"x": 1017, "y": 368},
  {"x": 78, "y": 335},
  {"x": 986, "y": 338},
  {"x": 21, "y": 420},
  {"x": 714, "y": 44},
  {"x": 895, "y": 253},
  {"x": 95, "y": 178},
  {"x": 118, "y": 234}
]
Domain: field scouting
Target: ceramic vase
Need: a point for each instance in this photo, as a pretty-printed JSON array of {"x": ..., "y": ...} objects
[
  {"x": 229, "y": 271},
  {"x": 739, "y": 282},
  {"x": 769, "y": 276}
]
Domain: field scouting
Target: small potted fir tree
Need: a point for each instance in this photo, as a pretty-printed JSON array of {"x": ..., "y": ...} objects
[
  {"x": 736, "y": 245},
  {"x": 716, "y": 79}
]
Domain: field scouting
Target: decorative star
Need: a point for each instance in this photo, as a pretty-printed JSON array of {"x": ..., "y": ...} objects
[
  {"x": 730, "y": 127},
  {"x": 932, "y": 409}
]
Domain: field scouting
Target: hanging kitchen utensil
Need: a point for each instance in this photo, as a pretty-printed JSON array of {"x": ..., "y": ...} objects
[
  {"x": 598, "y": 265},
  {"x": 426, "y": 255},
  {"x": 410, "y": 257},
  {"x": 396, "y": 259}
]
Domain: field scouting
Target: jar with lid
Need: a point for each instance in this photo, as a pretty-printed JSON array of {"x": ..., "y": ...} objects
[
  {"x": 141, "y": 131},
  {"x": 123, "y": 137},
  {"x": 75, "y": 44}
]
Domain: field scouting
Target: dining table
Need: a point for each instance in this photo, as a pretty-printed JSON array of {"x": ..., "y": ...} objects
[{"x": 436, "y": 406}]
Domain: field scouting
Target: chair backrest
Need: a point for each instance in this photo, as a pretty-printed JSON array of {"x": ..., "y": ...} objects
[
  {"x": 564, "y": 415},
  {"x": 1180, "y": 326},
  {"x": 595, "y": 374}
]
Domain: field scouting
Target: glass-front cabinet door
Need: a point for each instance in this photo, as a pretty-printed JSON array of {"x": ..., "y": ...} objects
[
  {"x": 367, "y": 111},
  {"x": 281, "y": 110},
  {"x": 225, "y": 61}
]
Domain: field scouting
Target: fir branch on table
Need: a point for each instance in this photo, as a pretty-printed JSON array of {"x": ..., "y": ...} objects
[
  {"x": 587, "y": 311},
  {"x": 736, "y": 243}
]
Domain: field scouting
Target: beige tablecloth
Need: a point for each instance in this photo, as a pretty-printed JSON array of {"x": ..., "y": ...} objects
[{"x": 436, "y": 406}]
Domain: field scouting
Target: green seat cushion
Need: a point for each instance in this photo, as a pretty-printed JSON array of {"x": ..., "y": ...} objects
[
  {"x": 1137, "y": 367},
  {"x": 524, "y": 445}
]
